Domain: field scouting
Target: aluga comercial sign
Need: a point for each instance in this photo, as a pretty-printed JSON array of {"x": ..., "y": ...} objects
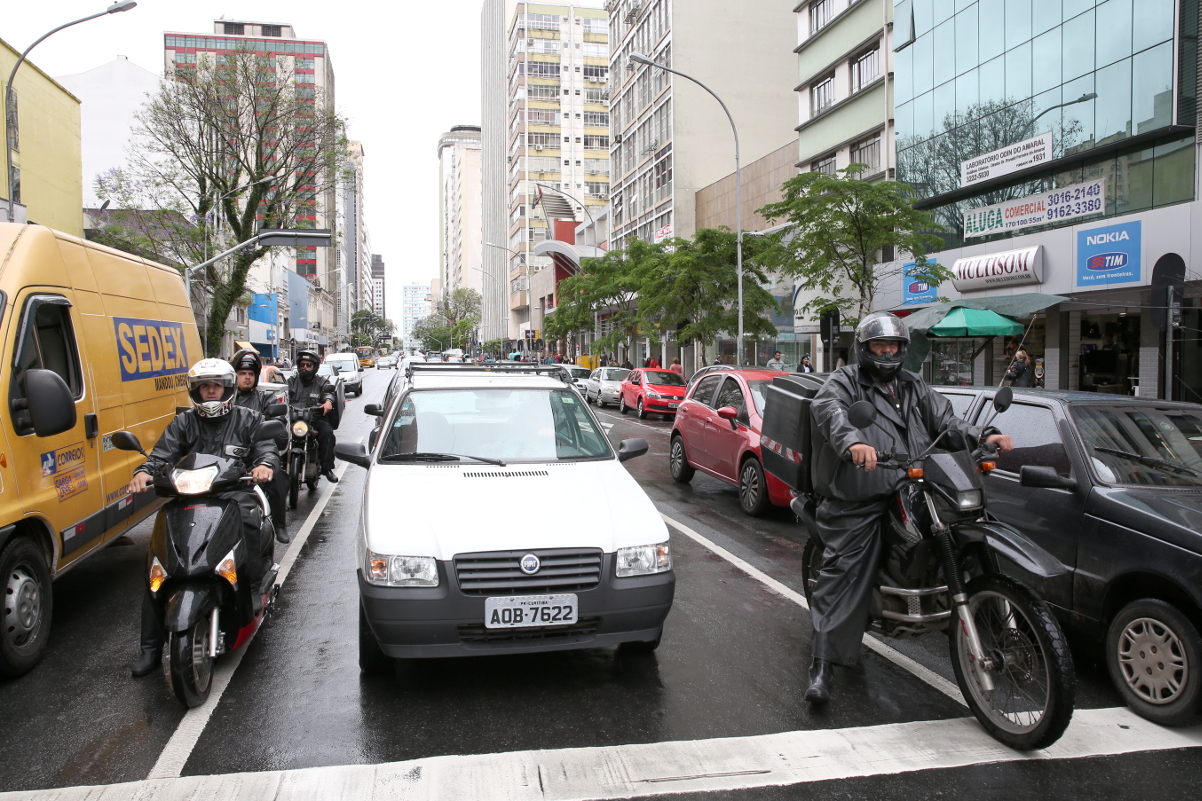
[
  {"x": 992, "y": 270},
  {"x": 1078, "y": 200}
]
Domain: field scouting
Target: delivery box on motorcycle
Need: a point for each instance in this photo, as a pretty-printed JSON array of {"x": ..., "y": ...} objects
[
  {"x": 785, "y": 439},
  {"x": 119, "y": 332}
]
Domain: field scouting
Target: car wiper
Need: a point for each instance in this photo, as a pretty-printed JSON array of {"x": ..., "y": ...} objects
[
  {"x": 421, "y": 456},
  {"x": 1151, "y": 461}
]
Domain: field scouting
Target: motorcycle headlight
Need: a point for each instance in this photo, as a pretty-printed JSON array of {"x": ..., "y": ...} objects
[
  {"x": 194, "y": 482},
  {"x": 401, "y": 571},
  {"x": 969, "y": 499},
  {"x": 300, "y": 428},
  {"x": 642, "y": 560}
]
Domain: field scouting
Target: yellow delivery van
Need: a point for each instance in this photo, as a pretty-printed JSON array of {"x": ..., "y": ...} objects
[{"x": 92, "y": 341}]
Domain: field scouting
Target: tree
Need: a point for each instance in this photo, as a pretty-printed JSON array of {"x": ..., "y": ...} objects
[
  {"x": 370, "y": 329},
  {"x": 697, "y": 284},
  {"x": 225, "y": 148},
  {"x": 839, "y": 229},
  {"x": 454, "y": 319}
]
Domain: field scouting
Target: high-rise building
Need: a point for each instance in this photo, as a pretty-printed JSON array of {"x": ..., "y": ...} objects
[
  {"x": 377, "y": 285},
  {"x": 460, "y": 247},
  {"x": 351, "y": 284},
  {"x": 415, "y": 305}
]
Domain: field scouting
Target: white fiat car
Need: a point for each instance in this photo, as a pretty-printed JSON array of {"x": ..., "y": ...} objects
[{"x": 471, "y": 539}]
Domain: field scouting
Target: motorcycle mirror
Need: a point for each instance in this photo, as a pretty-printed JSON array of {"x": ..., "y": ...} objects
[
  {"x": 1003, "y": 399},
  {"x": 861, "y": 414},
  {"x": 276, "y": 410},
  {"x": 125, "y": 441},
  {"x": 270, "y": 429}
]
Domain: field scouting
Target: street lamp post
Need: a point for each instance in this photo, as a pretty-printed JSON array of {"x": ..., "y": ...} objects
[
  {"x": 639, "y": 58},
  {"x": 124, "y": 5},
  {"x": 1082, "y": 99},
  {"x": 525, "y": 267}
]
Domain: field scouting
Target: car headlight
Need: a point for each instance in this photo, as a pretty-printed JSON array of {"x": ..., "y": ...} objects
[
  {"x": 194, "y": 482},
  {"x": 969, "y": 499},
  {"x": 642, "y": 560},
  {"x": 655, "y": 395},
  {"x": 300, "y": 428},
  {"x": 401, "y": 571}
]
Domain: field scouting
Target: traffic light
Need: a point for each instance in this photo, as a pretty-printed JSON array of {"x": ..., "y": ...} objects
[{"x": 538, "y": 344}]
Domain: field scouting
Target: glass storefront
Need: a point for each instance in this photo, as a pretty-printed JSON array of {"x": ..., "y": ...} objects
[{"x": 1109, "y": 352}]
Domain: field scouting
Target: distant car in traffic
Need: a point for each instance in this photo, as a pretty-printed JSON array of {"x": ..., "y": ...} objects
[
  {"x": 386, "y": 362},
  {"x": 350, "y": 370},
  {"x": 579, "y": 376},
  {"x": 604, "y": 385},
  {"x": 472, "y": 573},
  {"x": 1111, "y": 485},
  {"x": 717, "y": 430},
  {"x": 649, "y": 391}
]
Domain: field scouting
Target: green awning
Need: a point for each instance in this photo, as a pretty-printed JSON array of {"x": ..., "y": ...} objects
[
  {"x": 974, "y": 323},
  {"x": 920, "y": 322}
]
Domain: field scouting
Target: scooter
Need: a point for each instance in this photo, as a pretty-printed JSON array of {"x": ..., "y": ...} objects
[{"x": 198, "y": 564}]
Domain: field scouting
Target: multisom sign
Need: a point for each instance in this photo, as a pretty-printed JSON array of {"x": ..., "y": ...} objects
[{"x": 1008, "y": 268}]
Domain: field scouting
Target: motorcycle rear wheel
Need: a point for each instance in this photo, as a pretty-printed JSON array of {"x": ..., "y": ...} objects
[
  {"x": 1033, "y": 675},
  {"x": 191, "y": 665}
]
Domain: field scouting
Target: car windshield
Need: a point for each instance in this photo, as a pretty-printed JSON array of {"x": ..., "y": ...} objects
[
  {"x": 664, "y": 378},
  {"x": 579, "y": 372},
  {"x": 345, "y": 366},
  {"x": 1142, "y": 444},
  {"x": 510, "y": 425},
  {"x": 326, "y": 370},
  {"x": 618, "y": 374}
]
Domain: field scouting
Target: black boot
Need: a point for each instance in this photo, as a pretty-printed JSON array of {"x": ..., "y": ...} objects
[
  {"x": 329, "y": 476},
  {"x": 822, "y": 674},
  {"x": 152, "y": 639}
]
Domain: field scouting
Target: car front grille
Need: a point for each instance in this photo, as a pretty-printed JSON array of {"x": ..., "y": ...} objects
[
  {"x": 479, "y": 634},
  {"x": 498, "y": 572}
]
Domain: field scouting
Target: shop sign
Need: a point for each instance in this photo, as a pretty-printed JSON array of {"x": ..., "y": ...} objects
[
  {"x": 1109, "y": 255},
  {"x": 804, "y": 322},
  {"x": 663, "y": 233},
  {"x": 1028, "y": 153},
  {"x": 994, "y": 270},
  {"x": 915, "y": 289},
  {"x": 1078, "y": 200}
]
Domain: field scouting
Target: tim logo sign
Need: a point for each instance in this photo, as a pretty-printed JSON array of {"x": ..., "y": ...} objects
[{"x": 1109, "y": 255}]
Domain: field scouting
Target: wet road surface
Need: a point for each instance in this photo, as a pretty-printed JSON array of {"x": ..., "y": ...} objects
[{"x": 731, "y": 665}]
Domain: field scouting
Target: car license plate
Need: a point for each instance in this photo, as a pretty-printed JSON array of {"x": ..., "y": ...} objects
[
  {"x": 529, "y": 610},
  {"x": 673, "y": 405}
]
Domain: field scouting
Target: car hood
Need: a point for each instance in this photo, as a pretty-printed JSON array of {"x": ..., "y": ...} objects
[
  {"x": 1171, "y": 515},
  {"x": 448, "y": 509}
]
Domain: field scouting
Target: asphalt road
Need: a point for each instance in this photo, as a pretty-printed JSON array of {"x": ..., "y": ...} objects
[{"x": 715, "y": 711}]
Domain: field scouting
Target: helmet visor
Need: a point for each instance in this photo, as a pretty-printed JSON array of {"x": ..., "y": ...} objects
[{"x": 884, "y": 326}]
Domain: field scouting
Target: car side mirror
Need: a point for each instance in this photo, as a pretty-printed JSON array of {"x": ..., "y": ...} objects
[
  {"x": 353, "y": 452},
  {"x": 630, "y": 448},
  {"x": 373, "y": 409},
  {"x": 49, "y": 403},
  {"x": 126, "y": 441},
  {"x": 861, "y": 414},
  {"x": 1044, "y": 477},
  {"x": 730, "y": 413}
]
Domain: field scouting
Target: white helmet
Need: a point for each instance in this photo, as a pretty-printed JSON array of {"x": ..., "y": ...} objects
[{"x": 217, "y": 371}]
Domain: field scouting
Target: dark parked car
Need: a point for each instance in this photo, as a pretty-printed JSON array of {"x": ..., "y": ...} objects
[{"x": 1112, "y": 486}]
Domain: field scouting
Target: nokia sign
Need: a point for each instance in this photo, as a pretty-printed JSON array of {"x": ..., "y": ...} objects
[{"x": 1109, "y": 256}]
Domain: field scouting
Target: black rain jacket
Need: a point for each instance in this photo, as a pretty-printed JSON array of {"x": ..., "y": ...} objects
[
  {"x": 231, "y": 435},
  {"x": 303, "y": 394},
  {"x": 908, "y": 424}
]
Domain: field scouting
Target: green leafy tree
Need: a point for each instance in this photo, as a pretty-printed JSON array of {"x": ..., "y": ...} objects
[
  {"x": 224, "y": 149},
  {"x": 368, "y": 328},
  {"x": 455, "y": 317},
  {"x": 839, "y": 229}
]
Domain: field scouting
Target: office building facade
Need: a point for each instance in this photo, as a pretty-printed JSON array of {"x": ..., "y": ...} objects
[
  {"x": 415, "y": 305},
  {"x": 460, "y": 199}
]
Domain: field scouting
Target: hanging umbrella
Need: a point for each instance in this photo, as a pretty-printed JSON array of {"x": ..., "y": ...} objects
[{"x": 962, "y": 322}]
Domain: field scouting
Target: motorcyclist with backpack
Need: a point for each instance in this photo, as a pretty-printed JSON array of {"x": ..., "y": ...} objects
[
  {"x": 214, "y": 425},
  {"x": 307, "y": 389},
  {"x": 248, "y": 366},
  {"x": 854, "y": 494}
]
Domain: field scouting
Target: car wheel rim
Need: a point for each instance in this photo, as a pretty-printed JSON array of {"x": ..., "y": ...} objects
[
  {"x": 749, "y": 487},
  {"x": 22, "y": 605},
  {"x": 677, "y": 457},
  {"x": 1153, "y": 661}
]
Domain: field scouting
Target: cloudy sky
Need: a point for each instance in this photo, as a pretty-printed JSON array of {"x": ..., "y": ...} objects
[{"x": 405, "y": 72}]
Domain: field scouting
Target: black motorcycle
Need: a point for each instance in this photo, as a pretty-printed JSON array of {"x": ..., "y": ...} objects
[
  {"x": 304, "y": 458},
  {"x": 940, "y": 562},
  {"x": 198, "y": 564}
]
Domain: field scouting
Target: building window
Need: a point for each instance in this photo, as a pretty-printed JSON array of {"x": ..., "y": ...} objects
[
  {"x": 663, "y": 178},
  {"x": 821, "y": 12},
  {"x": 822, "y": 94},
  {"x": 542, "y": 22},
  {"x": 542, "y": 116},
  {"x": 542, "y": 69},
  {"x": 592, "y": 142},
  {"x": 596, "y": 189},
  {"x": 233, "y": 28},
  {"x": 596, "y": 25},
  {"x": 597, "y": 118},
  {"x": 543, "y": 92},
  {"x": 596, "y": 72},
  {"x": 271, "y": 30},
  {"x": 864, "y": 69},
  {"x": 868, "y": 152},
  {"x": 826, "y": 166}
]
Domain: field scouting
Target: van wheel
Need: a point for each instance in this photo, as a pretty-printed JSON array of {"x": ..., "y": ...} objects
[
  {"x": 753, "y": 489},
  {"x": 28, "y": 602},
  {"x": 372, "y": 659},
  {"x": 1155, "y": 658}
]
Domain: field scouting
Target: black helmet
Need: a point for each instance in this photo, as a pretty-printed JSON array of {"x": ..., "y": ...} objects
[
  {"x": 248, "y": 360},
  {"x": 887, "y": 327},
  {"x": 215, "y": 371},
  {"x": 307, "y": 356}
]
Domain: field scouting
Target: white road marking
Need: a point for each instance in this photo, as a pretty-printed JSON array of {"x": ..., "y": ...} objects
[
  {"x": 925, "y": 674},
  {"x": 650, "y": 769},
  {"x": 635, "y": 422},
  {"x": 175, "y": 754}
]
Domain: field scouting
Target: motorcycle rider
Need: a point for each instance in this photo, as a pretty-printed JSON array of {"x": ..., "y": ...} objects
[
  {"x": 306, "y": 389},
  {"x": 854, "y": 496},
  {"x": 214, "y": 425},
  {"x": 248, "y": 366}
]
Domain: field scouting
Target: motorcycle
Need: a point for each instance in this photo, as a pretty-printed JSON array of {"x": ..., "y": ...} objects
[
  {"x": 940, "y": 563},
  {"x": 304, "y": 460},
  {"x": 198, "y": 559}
]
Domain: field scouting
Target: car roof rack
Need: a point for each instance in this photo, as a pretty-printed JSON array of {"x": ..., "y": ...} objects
[{"x": 510, "y": 368}]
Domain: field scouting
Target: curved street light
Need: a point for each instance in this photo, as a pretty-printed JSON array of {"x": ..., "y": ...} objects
[
  {"x": 639, "y": 58},
  {"x": 115, "y": 8}
]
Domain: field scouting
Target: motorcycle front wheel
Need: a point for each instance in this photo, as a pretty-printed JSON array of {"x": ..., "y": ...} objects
[
  {"x": 191, "y": 665},
  {"x": 294, "y": 482},
  {"x": 1031, "y": 702}
]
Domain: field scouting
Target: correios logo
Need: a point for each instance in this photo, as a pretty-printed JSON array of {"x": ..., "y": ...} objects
[
  {"x": 1106, "y": 238},
  {"x": 1104, "y": 262}
]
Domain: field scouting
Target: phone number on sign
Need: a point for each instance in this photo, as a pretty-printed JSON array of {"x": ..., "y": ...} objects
[
  {"x": 1075, "y": 194},
  {"x": 1073, "y": 209}
]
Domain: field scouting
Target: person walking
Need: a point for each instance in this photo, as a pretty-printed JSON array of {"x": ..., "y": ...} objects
[
  {"x": 676, "y": 366},
  {"x": 776, "y": 363},
  {"x": 805, "y": 366},
  {"x": 1021, "y": 370}
]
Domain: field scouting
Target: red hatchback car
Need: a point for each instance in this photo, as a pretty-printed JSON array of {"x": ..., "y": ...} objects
[
  {"x": 651, "y": 392},
  {"x": 717, "y": 430}
]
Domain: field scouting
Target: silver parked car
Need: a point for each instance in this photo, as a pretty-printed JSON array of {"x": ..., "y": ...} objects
[{"x": 605, "y": 385}]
